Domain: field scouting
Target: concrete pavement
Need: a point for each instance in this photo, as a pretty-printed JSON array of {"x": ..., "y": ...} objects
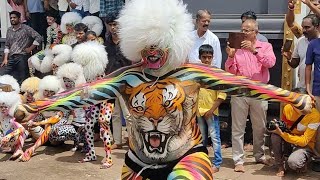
[{"x": 60, "y": 163}]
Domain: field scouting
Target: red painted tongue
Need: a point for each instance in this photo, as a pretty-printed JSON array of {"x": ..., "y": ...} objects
[
  {"x": 155, "y": 65},
  {"x": 154, "y": 142}
]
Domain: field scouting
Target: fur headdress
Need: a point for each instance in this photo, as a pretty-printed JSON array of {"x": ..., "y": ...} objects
[
  {"x": 94, "y": 24},
  {"x": 58, "y": 55},
  {"x": 50, "y": 83},
  {"x": 62, "y": 54},
  {"x": 31, "y": 85},
  {"x": 42, "y": 61},
  {"x": 72, "y": 18},
  {"x": 92, "y": 57},
  {"x": 10, "y": 80},
  {"x": 11, "y": 100},
  {"x": 73, "y": 71},
  {"x": 142, "y": 25}
]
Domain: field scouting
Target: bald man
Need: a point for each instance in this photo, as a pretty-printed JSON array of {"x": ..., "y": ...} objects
[{"x": 253, "y": 60}]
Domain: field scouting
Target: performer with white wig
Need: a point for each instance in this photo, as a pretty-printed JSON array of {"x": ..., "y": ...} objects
[
  {"x": 12, "y": 134},
  {"x": 159, "y": 95}
]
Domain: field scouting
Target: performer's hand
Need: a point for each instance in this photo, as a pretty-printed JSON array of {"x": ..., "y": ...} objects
[
  {"x": 230, "y": 51},
  {"x": 31, "y": 123},
  {"x": 4, "y": 141},
  {"x": 248, "y": 45}
]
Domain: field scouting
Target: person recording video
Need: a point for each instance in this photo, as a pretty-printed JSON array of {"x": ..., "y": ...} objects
[{"x": 300, "y": 138}]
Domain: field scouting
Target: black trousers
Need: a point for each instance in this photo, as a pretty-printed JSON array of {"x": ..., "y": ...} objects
[
  {"x": 17, "y": 67},
  {"x": 39, "y": 23}
]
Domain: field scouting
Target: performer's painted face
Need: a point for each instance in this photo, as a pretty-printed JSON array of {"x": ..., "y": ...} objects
[
  {"x": 68, "y": 83},
  {"x": 154, "y": 57},
  {"x": 29, "y": 97},
  {"x": 4, "y": 109},
  {"x": 48, "y": 93},
  {"x": 54, "y": 68}
]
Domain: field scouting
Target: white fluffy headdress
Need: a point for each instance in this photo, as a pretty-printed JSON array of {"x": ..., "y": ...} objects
[
  {"x": 165, "y": 23},
  {"x": 58, "y": 55},
  {"x": 50, "y": 83},
  {"x": 73, "y": 71},
  {"x": 10, "y": 99},
  {"x": 92, "y": 57},
  {"x": 94, "y": 24},
  {"x": 61, "y": 54},
  {"x": 10, "y": 80},
  {"x": 31, "y": 85},
  {"x": 69, "y": 18},
  {"x": 42, "y": 61}
]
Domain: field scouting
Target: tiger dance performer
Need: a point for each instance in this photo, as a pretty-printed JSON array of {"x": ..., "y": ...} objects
[
  {"x": 30, "y": 90},
  {"x": 12, "y": 134},
  {"x": 57, "y": 128},
  {"x": 159, "y": 95},
  {"x": 94, "y": 64}
]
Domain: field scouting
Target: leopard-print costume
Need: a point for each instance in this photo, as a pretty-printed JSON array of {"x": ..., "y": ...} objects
[
  {"x": 100, "y": 113},
  {"x": 56, "y": 131}
]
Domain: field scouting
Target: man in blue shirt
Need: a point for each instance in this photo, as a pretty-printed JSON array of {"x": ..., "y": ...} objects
[
  {"x": 36, "y": 16},
  {"x": 313, "y": 58}
]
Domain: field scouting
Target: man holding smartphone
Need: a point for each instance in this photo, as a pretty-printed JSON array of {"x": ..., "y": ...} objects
[
  {"x": 253, "y": 60},
  {"x": 310, "y": 25}
]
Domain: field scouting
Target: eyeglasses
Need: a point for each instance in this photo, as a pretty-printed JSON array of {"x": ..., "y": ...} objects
[{"x": 247, "y": 30}]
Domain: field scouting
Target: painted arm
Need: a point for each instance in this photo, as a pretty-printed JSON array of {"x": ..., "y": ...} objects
[
  {"x": 217, "y": 79},
  {"x": 51, "y": 120}
]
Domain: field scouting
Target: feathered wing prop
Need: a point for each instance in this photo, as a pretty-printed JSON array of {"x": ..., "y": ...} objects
[{"x": 208, "y": 77}]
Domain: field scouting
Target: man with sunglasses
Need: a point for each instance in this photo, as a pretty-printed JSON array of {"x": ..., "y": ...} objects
[{"x": 253, "y": 60}]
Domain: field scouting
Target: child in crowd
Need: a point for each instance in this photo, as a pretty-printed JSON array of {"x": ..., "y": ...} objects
[
  {"x": 209, "y": 101},
  {"x": 92, "y": 36}
]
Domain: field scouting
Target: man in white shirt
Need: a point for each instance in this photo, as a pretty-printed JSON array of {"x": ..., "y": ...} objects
[
  {"x": 310, "y": 25},
  {"x": 94, "y": 7},
  {"x": 204, "y": 36},
  {"x": 79, "y": 6}
]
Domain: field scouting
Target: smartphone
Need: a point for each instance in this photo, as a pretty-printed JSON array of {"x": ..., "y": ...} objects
[
  {"x": 287, "y": 45},
  {"x": 235, "y": 39}
]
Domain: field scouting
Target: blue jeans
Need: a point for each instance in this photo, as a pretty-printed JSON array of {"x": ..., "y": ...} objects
[{"x": 213, "y": 124}]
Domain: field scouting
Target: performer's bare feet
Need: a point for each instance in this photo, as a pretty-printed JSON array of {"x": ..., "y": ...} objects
[
  {"x": 239, "y": 168},
  {"x": 88, "y": 159},
  {"x": 106, "y": 165},
  {"x": 280, "y": 172},
  {"x": 26, "y": 156},
  {"x": 16, "y": 154}
]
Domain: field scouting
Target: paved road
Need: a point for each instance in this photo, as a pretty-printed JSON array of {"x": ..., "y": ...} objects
[{"x": 60, "y": 163}]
